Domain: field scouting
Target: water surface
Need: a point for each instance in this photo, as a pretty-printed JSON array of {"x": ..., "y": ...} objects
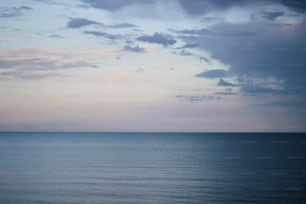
[{"x": 152, "y": 168}]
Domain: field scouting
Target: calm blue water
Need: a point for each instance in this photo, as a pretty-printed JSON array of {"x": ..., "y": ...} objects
[{"x": 152, "y": 168}]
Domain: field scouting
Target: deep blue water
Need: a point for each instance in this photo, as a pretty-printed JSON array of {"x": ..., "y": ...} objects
[{"x": 140, "y": 168}]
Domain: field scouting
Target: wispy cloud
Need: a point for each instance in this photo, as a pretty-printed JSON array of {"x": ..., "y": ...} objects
[
  {"x": 32, "y": 63},
  {"x": 197, "y": 98},
  {"x": 29, "y": 75}
]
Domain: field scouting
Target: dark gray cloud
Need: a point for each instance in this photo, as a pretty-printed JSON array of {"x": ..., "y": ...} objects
[
  {"x": 197, "y": 98},
  {"x": 184, "y": 53},
  {"x": 256, "y": 89},
  {"x": 25, "y": 8},
  {"x": 188, "y": 46},
  {"x": 114, "y": 4},
  {"x": 226, "y": 93},
  {"x": 272, "y": 15},
  {"x": 222, "y": 82},
  {"x": 296, "y": 5},
  {"x": 134, "y": 49},
  {"x": 123, "y": 25},
  {"x": 81, "y": 22},
  {"x": 157, "y": 38},
  {"x": 104, "y": 35},
  {"x": 45, "y": 1},
  {"x": 209, "y": 33},
  {"x": 204, "y": 59},
  {"x": 283, "y": 103},
  {"x": 202, "y": 31},
  {"x": 8, "y": 12},
  {"x": 215, "y": 73},
  {"x": 276, "y": 53},
  {"x": 128, "y": 41},
  {"x": 56, "y": 36},
  {"x": 198, "y": 7}
]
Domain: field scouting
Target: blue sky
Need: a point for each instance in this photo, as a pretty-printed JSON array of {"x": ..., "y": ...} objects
[{"x": 152, "y": 65}]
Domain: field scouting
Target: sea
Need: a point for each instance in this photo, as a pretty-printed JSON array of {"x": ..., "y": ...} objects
[{"x": 152, "y": 168}]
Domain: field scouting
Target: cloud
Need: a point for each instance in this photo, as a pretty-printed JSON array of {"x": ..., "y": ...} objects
[
  {"x": 184, "y": 53},
  {"x": 275, "y": 53},
  {"x": 202, "y": 31},
  {"x": 186, "y": 46},
  {"x": 8, "y": 12},
  {"x": 114, "y": 5},
  {"x": 204, "y": 59},
  {"x": 206, "y": 32},
  {"x": 215, "y": 73},
  {"x": 25, "y": 8},
  {"x": 4, "y": 40},
  {"x": 104, "y": 35},
  {"x": 222, "y": 82},
  {"x": 123, "y": 25},
  {"x": 36, "y": 68},
  {"x": 134, "y": 49},
  {"x": 29, "y": 75},
  {"x": 80, "y": 22},
  {"x": 272, "y": 15},
  {"x": 197, "y": 98},
  {"x": 157, "y": 38},
  {"x": 196, "y": 7},
  {"x": 283, "y": 103},
  {"x": 226, "y": 93},
  {"x": 43, "y": 63},
  {"x": 296, "y": 5},
  {"x": 139, "y": 70},
  {"x": 252, "y": 89},
  {"x": 56, "y": 36},
  {"x": 45, "y": 1},
  {"x": 34, "y": 63}
]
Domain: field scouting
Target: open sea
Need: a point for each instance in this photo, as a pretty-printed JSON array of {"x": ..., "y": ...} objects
[{"x": 142, "y": 168}]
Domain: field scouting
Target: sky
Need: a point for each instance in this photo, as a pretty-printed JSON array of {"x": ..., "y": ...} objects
[{"x": 153, "y": 65}]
